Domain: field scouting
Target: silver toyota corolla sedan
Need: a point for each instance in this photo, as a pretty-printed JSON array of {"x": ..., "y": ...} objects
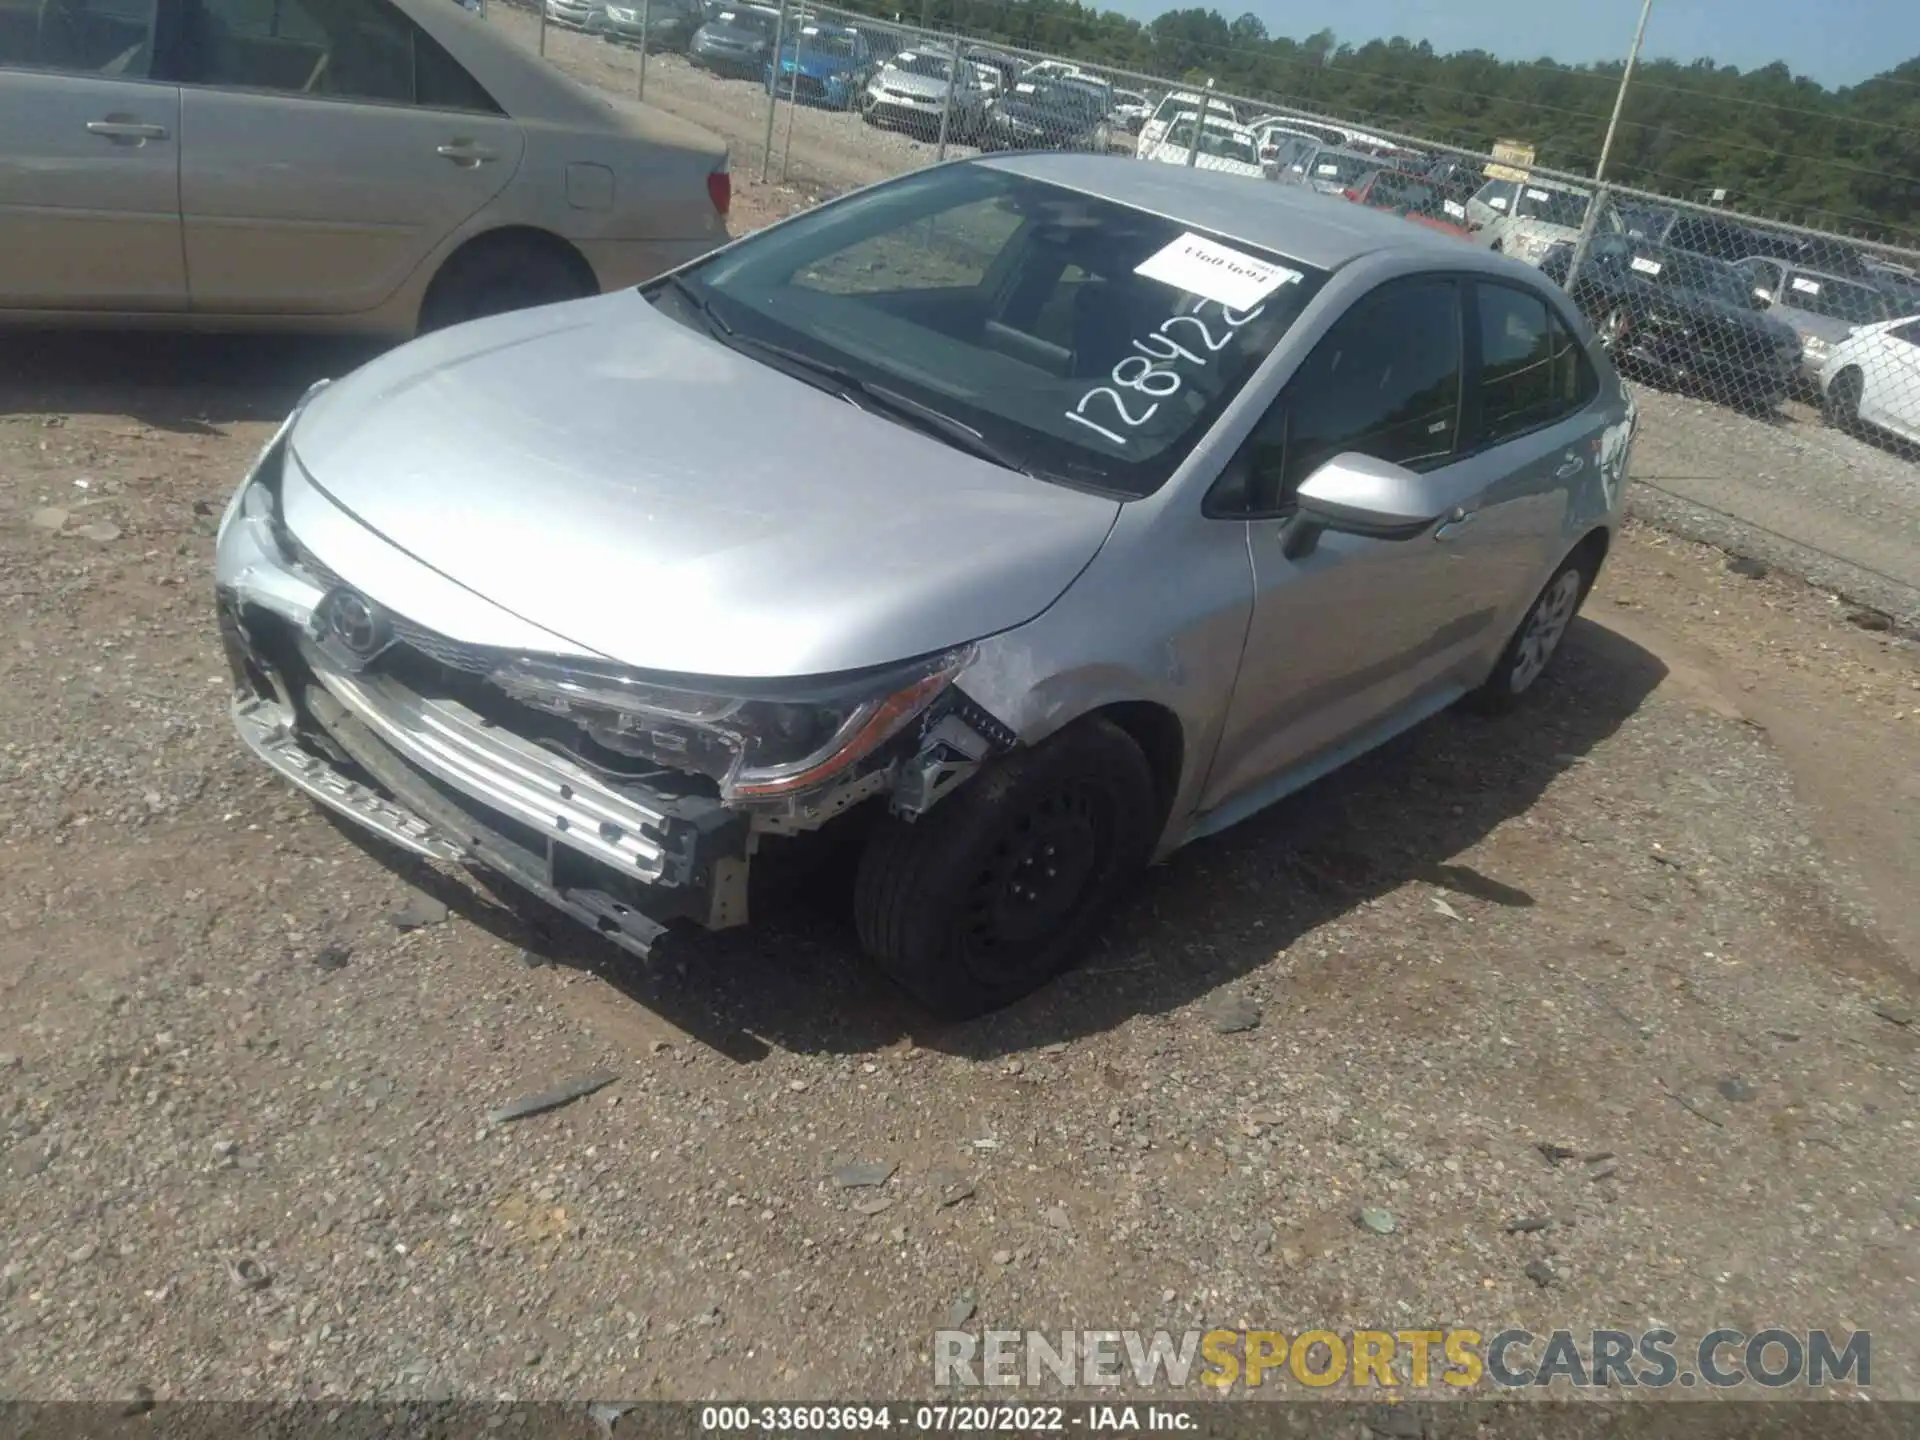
[{"x": 1019, "y": 519}]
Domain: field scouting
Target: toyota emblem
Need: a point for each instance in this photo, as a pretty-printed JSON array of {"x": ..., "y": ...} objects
[{"x": 350, "y": 627}]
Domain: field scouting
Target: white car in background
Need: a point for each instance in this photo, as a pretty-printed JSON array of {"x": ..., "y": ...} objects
[
  {"x": 1130, "y": 110},
  {"x": 1873, "y": 377},
  {"x": 1541, "y": 215},
  {"x": 1180, "y": 104},
  {"x": 1231, "y": 149}
]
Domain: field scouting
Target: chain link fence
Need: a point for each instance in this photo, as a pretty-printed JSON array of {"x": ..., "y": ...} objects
[{"x": 1777, "y": 366}]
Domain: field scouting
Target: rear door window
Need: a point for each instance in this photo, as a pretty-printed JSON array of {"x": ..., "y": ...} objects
[
  {"x": 81, "y": 37},
  {"x": 1531, "y": 370}
]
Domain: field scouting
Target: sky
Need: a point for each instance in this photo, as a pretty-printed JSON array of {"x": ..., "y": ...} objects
[{"x": 1853, "y": 41}]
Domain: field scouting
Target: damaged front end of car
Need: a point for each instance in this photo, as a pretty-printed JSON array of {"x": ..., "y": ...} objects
[{"x": 625, "y": 799}]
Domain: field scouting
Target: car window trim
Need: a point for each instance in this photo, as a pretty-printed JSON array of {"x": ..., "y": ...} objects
[
  {"x": 182, "y": 61},
  {"x": 1211, "y": 507}
]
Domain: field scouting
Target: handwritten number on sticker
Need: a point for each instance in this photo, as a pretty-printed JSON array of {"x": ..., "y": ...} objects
[{"x": 1142, "y": 374}]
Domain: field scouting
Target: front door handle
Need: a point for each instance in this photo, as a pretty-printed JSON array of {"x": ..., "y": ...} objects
[
  {"x": 465, "y": 152},
  {"x": 1569, "y": 468},
  {"x": 126, "y": 130},
  {"x": 1457, "y": 520}
]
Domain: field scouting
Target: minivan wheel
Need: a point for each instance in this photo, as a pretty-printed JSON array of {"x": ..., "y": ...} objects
[
  {"x": 1537, "y": 640},
  {"x": 996, "y": 891},
  {"x": 493, "y": 276}
]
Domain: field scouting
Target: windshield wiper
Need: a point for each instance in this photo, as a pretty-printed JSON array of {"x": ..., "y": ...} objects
[
  {"x": 681, "y": 286},
  {"x": 878, "y": 399}
]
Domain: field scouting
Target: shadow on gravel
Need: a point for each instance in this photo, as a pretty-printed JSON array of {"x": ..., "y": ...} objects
[
  {"x": 183, "y": 384},
  {"x": 1213, "y": 913}
]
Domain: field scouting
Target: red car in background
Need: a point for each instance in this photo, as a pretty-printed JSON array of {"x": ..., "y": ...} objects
[{"x": 1412, "y": 197}]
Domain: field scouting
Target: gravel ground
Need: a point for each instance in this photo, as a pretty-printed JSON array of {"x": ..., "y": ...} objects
[{"x": 1663, "y": 913}]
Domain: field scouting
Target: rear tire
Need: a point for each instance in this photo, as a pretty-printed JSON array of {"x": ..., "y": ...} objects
[
  {"x": 1840, "y": 406},
  {"x": 998, "y": 889},
  {"x": 1537, "y": 639},
  {"x": 491, "y": 277}
]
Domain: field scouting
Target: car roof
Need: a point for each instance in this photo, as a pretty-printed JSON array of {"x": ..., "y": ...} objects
[{"x": 1298, "y": 222}]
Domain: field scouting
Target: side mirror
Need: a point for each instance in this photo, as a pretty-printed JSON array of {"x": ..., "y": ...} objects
[{"x": 1358, "y": 495}]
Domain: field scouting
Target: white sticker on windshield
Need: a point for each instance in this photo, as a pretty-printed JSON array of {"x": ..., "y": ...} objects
[
  {"x": 1805, "y": 287},
  {"x": 1455, "y": 209},
  {"x": 1215, "y": 272},
  {"x": 1498, "y": 202},
  {"x": 1326, "y": 169},
  {"x": 1023, "y": 88},
  {"x": 1538, "y": 195},
  {"x": 1644, "y": 265},
  {"x": 809, "y": 29}
]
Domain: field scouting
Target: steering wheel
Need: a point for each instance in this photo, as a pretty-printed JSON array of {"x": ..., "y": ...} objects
[{"x": 319, "y": 70}]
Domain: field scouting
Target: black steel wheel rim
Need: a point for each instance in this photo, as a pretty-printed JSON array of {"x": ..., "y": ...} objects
[{"x": 1034, "y": 878}]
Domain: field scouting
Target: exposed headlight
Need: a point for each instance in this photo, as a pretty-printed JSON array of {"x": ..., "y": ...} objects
[
  {"x": 781, "y": 741},
  {"x": 1817, "y": 347},
  {"x": 257, "y": 500}
]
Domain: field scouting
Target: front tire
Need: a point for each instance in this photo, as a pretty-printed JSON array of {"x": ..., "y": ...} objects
[
  {"x": 996, "y": 891},
  {"x": 1537, "y": 639},
  {"x": 1840, "y": 407}
]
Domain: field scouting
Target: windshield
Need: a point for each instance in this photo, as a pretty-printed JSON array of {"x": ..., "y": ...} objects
[
  {"x": 1496, "y": 194},
  {"x": 1216, "y": 140},
  {"x": 1682, "y": 269},
  {"x": 1552, "y": 207},
  {"x": 815, "y": 43},
  {"x": 1836, "y": 299},
  {"x": 1089, "y": 340},
  {"x": 1333, "y": 167},
  {"x": 921, "y": 64}
]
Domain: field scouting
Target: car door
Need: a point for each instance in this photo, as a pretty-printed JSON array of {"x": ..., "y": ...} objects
[
  {"x": 1354, "y": 630},
  {"x": 89, "y": 160},
  {"x": 1890, "y": 380},
  {"x": 331, "y": 147}
]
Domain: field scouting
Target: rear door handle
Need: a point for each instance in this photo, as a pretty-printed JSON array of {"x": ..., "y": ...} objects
[
  {"x": 466, "y": 152},
  {"x": 126, "y": 130},
  {"x": 1457, "y": 520},
  {"x": 1569, "y": 468}
]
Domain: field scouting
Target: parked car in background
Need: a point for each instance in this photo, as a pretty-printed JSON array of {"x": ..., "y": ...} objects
[
  {"x": 1047, "y": 115},
  {"x": 1411, "y": 197},
  {"x": 737, "y": 41},
  {"x": 1382, "y": 476},
  {"x": 1681, "y": 319},
  {"x": 1542, "y": 213},
  {"x": 1900, "y": 285},
  {"x": 823, "y": 65},
  {"x": 1328, "y": 169},
  {"x": 1130, "y": 110},
  {"x": 576, "y": 14},
  {"x": 1491, "y": 202},
  {"x": 916, "y": 87},
  {"x": 1822, "y": 309},
  {"x": 1224, "y": 147},
  {"x": 1872, "y": 378},
  {"x": 394, "y": 166},
  {"x": 666, "y": 26},
  {"x": 998, "y": 73},
  {"x": 1173, "y": 105},
  {"x": 1279, "y": 146}
]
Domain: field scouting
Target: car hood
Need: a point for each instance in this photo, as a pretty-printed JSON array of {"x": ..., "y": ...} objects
[
  {"x": 1704, "y": 304},
  {"x": 736, "y": 36},
  {"x": 1054, "y": 117},
  {"x": 1822, "y": 327},
  {"x": 924, "y": 87},
  {"x": 818, "y": 65},
  {"x": 642, "y": 491}
]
